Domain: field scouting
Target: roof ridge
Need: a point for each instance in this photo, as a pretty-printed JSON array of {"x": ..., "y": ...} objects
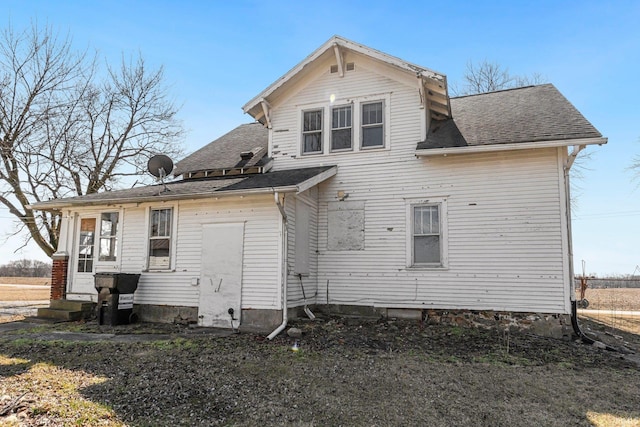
[{"x": 502, "y": 90}]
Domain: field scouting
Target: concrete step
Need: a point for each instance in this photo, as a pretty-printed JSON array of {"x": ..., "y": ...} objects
[
  {"x": 52, "y": 313},
  {"x": 63, "y": 304},
  {"x": 67, "y": 310}
]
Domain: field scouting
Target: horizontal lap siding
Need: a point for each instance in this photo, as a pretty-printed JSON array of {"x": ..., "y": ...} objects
[
  {"x": 364, "y": 81},
  {"x": 505, "y": 247},
  {"x": 505, "y": 252},
  {"x": 260, "y": 262},
  {"x": 295, "y": 293}
]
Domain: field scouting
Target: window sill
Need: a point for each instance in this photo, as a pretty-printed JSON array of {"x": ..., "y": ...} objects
[
  {"x": 427, "y": 268},
  {"x": 159, "y": 271}
]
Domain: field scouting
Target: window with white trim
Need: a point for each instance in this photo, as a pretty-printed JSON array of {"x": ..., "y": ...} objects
[
  {"x": 427, "y": 233},
  {"x": 160, "y": 225},
  {"x": 108, "y": 246},
  {"x": 341, "y": 129},
  {"x": 312, "y": 131},
  {"x": 372, "y": 124},
  {"x": 85, "y": 245}
]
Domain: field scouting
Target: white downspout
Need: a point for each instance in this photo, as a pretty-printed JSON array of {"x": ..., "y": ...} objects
[
  {"x": 283, "y": 325},
  {"x": 567, "y": 190}
]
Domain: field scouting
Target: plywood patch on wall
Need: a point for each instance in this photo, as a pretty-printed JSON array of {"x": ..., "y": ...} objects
[{"x": 346, "y": 226}]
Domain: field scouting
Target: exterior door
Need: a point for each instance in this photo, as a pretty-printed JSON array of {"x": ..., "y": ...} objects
[
  {"x": 221, "y": 275},
  {"x": 85, "y": 258},
  {"x": 95, "y": 250}
]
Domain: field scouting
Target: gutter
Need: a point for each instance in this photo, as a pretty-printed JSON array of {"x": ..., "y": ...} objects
[
  {"x": 284, "y": 275},
  {"x": 426, "y": 152},
  {"x": 162, "y": 197}
]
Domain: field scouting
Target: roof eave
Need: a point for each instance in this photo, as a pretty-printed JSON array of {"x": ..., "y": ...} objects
[
  {"x": 164, "y": 197},
  {"x": 348, "y": 44},
  {"x": 430, "y": 152}
]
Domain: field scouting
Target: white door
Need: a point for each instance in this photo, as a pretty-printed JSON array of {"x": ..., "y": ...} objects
[
  {"x": 83, "y": 264},
  {"x": 221, "y": 275}
]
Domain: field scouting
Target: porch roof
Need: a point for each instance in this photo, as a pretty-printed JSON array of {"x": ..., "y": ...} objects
[{"x": 284, "y": 181}]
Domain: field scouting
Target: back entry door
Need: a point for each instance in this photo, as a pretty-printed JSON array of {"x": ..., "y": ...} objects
[{"x": 221, "y": 275}]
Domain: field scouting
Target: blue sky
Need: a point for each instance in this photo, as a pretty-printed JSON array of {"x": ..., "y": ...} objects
[{"x": 219, "y": 54}]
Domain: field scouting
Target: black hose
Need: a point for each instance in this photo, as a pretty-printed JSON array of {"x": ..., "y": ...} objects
[{"x": 576, "y": 328}]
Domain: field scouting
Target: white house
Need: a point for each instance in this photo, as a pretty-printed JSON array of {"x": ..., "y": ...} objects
[{"x": 362, "y": 185}]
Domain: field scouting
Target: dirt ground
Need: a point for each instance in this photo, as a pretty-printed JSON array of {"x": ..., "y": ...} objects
[{"x": 345, "y": 372}]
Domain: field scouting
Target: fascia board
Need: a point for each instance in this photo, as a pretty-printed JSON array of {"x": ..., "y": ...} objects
[
  {"x": 299, "y": 188},
  {"x": 347, "y": 44},
  {"x": 428, "y": 152}
]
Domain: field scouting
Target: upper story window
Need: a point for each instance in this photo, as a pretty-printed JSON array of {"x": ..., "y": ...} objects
[
  {"x": 346, "y": 125},
  {"x": 372, "y": 124},
  {"x": 312, "y": 131},
  {"x": 341, "y": 129},
  {"x": 160, "y": 239},
  {"x": 108, "y": 236}
]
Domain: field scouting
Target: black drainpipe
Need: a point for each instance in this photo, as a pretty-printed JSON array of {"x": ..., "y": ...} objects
[{"x": 576, "y": 328}]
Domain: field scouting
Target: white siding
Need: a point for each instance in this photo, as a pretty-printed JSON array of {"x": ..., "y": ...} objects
[
  {"x": 505, "y": 237},
  {"x": 260, "y": 283},
  {"x": 403, "y": 124},
  {"x": 504, "y": 234},
  {"x": 295, "y": 283}
]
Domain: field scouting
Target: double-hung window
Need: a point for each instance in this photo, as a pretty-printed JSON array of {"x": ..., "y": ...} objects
[
  {"x": 312, "y": 131},
  {"x": 426, "y": 238},
  {"x": 160, "y": 239},
  {"x": 108, "y": 236},
  {"x": 372, "y": 124},
  {"x": 341, "y": 129}
]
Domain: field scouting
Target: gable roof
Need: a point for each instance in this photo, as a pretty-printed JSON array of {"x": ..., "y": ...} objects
[
  {"x": 515, "y": 116},
  {"x": 226, "y": 152},
  {"x": 434, "y": 84},
  {"x": 284, "y": 181}
]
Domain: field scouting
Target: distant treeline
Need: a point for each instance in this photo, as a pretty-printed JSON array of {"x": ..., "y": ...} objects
[
  {"x": 621, "y": 281},
  {"x": 26, "y": 268}
]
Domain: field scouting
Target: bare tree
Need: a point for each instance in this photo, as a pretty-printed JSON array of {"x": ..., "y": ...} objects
[
  {"x": 635, "y": 169},
  {"x": 65, "y": 131},
  {"x": 489, "y": 76},
  {"x": 26, "y": 268}
]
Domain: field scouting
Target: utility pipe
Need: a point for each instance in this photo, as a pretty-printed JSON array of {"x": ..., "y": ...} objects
[{"x": 283, "y": 278}]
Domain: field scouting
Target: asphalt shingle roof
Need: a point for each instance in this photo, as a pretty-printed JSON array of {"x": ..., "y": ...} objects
[
  {"x": 528, "y": 114},
  {"x": 193, "y": 188},
  {"x": 224, "y": 152}
]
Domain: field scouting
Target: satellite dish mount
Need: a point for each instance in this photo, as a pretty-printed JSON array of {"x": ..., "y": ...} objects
[{"x": 160, "y": 166}]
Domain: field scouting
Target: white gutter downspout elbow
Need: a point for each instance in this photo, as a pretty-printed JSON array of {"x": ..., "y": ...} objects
[{"x": 283, "y": 214}]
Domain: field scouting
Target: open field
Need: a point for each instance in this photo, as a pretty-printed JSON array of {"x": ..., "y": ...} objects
[
  {"x": 614, "y": 305},
  {"x": 345, "y": 373},
  {"x": 24, "y": 293},
  {"x": 32, "y": 289},
  {"x": 621, "y": 299},
  {"x": 25, "y": 280}
]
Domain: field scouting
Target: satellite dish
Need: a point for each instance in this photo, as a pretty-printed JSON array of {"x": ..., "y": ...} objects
[{"x": 160, "y": 166}]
